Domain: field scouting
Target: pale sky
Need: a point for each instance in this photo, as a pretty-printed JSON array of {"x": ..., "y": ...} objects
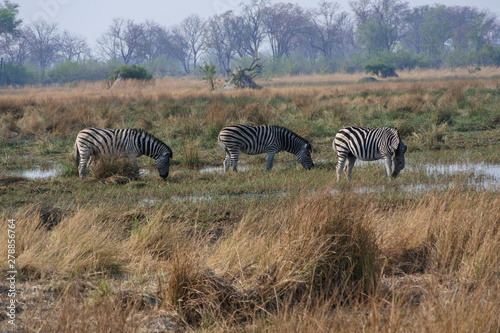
[{"x": 91, "y": 18}]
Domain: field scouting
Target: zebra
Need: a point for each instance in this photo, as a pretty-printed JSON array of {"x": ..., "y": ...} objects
[
  {"x": 369, "y": 144},
  {"x": 254, "y": 140},
  {"x": 131, "y": 143}
]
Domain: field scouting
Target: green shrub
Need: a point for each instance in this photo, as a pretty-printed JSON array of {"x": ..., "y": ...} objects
[
  {"x": 131, "y": 72},
  {"x": 381, "y": 70},
  {"x": 70, "y": 71},
  {"x": 209, "y": 74}
]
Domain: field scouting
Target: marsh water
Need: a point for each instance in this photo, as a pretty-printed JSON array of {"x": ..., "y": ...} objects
[
  {"x": 38, "y": 173},
  {"x": 480, "y": 176}
]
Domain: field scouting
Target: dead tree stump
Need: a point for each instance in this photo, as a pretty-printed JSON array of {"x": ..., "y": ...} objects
[{"x": 243, "y": 77}]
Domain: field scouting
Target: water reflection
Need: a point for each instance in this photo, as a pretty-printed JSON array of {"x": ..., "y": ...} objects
[
  {"x": 221, "y": 169},
  {"x": 476, "y": 175},
  {"x": 479, "y": 175},
  {"x": 38, "y": 173}
]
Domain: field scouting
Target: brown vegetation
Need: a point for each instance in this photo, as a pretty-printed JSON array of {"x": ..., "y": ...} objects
[
  {"x": 285, "y": 251},
  {"x": 311, "y": 263}
]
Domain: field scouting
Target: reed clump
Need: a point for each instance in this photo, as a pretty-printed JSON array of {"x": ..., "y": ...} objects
[
  {"x": 290, "y": 256},
  {"x": 114, "y": 169}
]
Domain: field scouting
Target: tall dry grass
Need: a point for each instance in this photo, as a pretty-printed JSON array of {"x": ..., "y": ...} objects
[
  {"x": 321, "y": 261},
  {"x": 309, "y": 252},
  {"x": 183, "y": 108}
]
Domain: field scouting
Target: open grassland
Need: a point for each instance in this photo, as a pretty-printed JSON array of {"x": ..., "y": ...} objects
[{"x": 285, "y": 251}]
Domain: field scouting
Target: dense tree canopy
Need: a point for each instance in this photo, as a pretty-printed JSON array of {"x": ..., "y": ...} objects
[{"x": 8, "y": 17}]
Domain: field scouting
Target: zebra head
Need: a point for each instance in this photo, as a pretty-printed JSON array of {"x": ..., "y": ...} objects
[
  {"x": 163, "y": 163},
  {"x": 304, "y": 156},
  {"x": 398, "y": 159}
]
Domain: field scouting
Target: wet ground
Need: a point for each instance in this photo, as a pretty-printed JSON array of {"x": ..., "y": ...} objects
[{"x": 481, "y": 176}]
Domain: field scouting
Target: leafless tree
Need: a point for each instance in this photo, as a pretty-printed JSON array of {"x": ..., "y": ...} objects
[
  {"x": 284, "y": 22},
  {"x": 221, "y": 39},
  {"x": 251, "y": 28},
  {"x": 43, "y": 42},
  {"x": 178, "y": 47},
  {"x": 14, "y": 49},
  {"x": 331, "y": 29},
  {"x": 123, "y": 41},
  {"x": 73, "y": 47},
  {"x": 152, "y": 45},
  {"x": 186, "y": 42},
  {"x": 193, "y": 28},
  {"x": 243, "y": 77},
  {"x": 381, "y": 23}
]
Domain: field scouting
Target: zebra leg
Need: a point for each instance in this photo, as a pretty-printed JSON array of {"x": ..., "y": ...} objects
[
  {"x": 388, "y": 166},
  {"x": 82, "y": 166},
  {"x": 135, "y": 165},
  {"x": 340, "y": 166},
  {"x": 269, "y": 160},
  {"x": 350, "y": 164},
  {"x": 227, "y": 161},
  {"x": 234, "y": 161},
  {"x": 231, "y": 159}
]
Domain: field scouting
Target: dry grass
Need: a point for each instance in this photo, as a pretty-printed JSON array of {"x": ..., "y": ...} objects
[
  {"x": 203, "y": 255},
  {"x": 118, "y": 170},
  {"x": 312, "y": 263}
]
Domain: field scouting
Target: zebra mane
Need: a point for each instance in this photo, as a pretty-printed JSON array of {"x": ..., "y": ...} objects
[
  {"x": 395, "y": 132},
  {"x": 294, "y": 135},
  {"x": 154, "y": 138}
]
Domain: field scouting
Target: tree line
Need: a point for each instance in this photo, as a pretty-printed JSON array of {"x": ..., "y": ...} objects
[{"x": 288, "y": 38}]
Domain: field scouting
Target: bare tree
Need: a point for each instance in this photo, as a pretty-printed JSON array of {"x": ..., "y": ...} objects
[
  {"x": 193, "y": 28},
  {"x": 381, "y": 23},
  {"x": 331, "y": 29},
  {"x": 123, "y": 41},
  {"x": 152, "y": 45},
  {"x": 43, "y": 41},
  {"x": 221, "y": 39},
  {"x": 252, "y": 31},
  {"x": 178, "y": 47},
  {"x": 15, "y": 49},
  {"x": 284, "y": 21},
  {"x": 73, "y": 47}
]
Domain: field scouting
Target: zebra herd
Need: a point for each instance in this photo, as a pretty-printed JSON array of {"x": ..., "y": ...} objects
[{"x": 351, "y": 142}]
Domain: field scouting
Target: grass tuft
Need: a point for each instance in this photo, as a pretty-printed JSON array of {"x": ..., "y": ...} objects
[{"x": 114, "y": 170}]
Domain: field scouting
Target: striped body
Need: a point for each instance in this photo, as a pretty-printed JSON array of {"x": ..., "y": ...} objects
[
  {"x": 369, "y": 144},
  {"x": 254, "y": 140},
  {"x": 115, "y": 143}
]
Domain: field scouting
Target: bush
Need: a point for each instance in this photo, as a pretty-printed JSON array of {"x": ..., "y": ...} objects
[
  {"x": 209, "y": 74},
  {"x": 70, "y": 71},
  {"x": 131, "y": 72},
  {"x": 15, "y": 75},
  {"x": 381, "y": 70}
]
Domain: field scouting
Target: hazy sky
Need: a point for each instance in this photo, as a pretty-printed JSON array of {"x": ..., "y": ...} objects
[{"x": 91, "y": 18}]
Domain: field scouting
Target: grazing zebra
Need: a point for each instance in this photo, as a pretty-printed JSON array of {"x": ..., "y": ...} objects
[
  {"x": 369, "y": 144},
  {"x": 131, "y": 143},
  {"x": 254, "y": 140}
]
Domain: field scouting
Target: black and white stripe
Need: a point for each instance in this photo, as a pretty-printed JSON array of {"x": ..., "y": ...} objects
[
  {"x": 254, "y": 140},
  {"x": 116, "y": 143},
  {"x": 369, "y": 144}
]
